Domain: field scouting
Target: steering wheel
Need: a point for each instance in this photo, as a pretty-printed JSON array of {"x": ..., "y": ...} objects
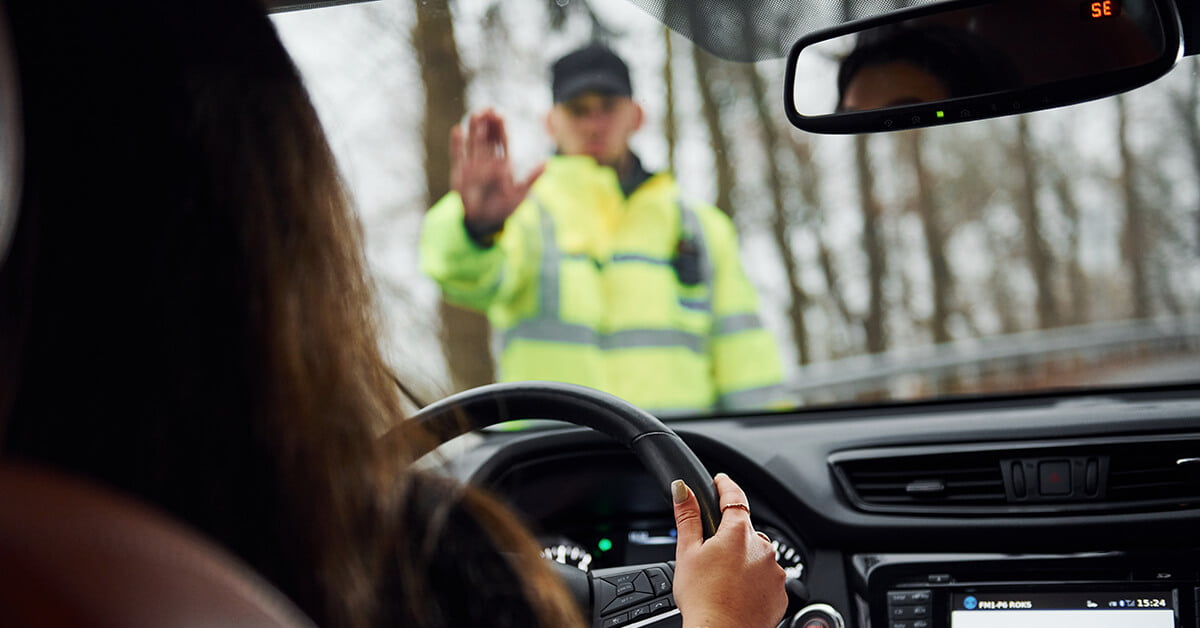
[{"x": 610, "y": 597}]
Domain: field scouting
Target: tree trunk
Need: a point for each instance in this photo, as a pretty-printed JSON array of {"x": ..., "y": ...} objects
[
  {"x": 705, "y": 65},
  {"x": 810, "y": 192},
  {"x": 873, "y": 244},
  {"x": 941, "y": 279},
  {"x": 670, "y": 125},
  {"x": 1134, "y": 246},
  {"x": 998, "y": 286},
  {"x": 464, "y": 334},
  {"x": 1080, "y": 308},
  {"x": 780, "y": 218},
  {"x": 1037, "y": 252}
]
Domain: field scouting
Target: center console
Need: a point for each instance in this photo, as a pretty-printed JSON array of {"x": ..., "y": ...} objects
[{"x": 1107, "y": 590}]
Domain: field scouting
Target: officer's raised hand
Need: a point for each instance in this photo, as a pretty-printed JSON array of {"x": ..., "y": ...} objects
[{"x": 482, "y": 175}]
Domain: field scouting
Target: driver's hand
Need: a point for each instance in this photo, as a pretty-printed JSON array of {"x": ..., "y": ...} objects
[
  {"x": 731, "y": 580},
  {"x": 480, "y": 172}
]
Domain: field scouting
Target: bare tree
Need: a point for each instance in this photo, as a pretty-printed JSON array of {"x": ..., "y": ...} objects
[
  {"x": 706, "y": 70},
  {"x": 808, "y": 184},
  {"x": 1037, "y": 251},
  {"x": 926, "y": 206},
  {"x": 873, "y": 245},
  {"x": 1076, "y": 277},
  {"x": 670, "y": 124},
  {"x": 465, "y": 335},
  {"x": 781, "y": 221},
  {"x": 1135, "y": 249}
]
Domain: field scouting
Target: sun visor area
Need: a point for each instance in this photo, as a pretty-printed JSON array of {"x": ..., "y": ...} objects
[
  {"x": 754, "y": 30},
  {"x": 280, "y": 6}
]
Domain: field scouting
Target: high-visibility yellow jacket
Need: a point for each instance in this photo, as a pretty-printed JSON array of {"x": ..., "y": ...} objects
[{"x": 587, "y": 286}]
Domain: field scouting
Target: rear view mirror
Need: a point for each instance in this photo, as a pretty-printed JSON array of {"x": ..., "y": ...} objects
[{"x": 971, "y": 59}]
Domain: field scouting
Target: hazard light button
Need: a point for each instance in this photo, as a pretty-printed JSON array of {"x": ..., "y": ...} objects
[{"x": 1055, "y": 477}]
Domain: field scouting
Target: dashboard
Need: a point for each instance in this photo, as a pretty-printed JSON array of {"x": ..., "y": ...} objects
[{"x": 1042, "y": 510}]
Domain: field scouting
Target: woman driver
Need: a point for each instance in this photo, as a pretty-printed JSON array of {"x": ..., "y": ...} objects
[{"x": 184, "y": 315}]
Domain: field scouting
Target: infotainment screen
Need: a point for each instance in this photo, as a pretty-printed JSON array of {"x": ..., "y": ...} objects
[{"x": 1125, "y": 609}]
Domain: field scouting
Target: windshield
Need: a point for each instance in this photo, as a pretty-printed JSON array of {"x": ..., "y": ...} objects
[{"x": 719, "y": 260}]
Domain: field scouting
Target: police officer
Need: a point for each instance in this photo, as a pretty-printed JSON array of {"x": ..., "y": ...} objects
[{"x": 591, "y": 269}]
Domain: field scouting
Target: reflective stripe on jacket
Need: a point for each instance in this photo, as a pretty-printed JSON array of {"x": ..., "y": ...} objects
[{"x": 582, "y": 286}]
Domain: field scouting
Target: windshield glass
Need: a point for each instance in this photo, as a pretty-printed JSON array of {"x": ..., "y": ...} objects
[{"x": 688, "y": 250}]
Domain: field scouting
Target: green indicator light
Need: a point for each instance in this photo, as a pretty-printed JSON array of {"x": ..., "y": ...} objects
[
  {"x": 941, "y": 114},
  {"x": 604, "y": 545}
]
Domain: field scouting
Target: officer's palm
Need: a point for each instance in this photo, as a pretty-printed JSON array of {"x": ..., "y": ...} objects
[{"x": 481, "y": 172}]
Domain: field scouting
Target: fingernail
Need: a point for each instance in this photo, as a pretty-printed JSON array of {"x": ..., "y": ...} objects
[
  {"x": 679, "y": 491},
  {"x": 721, "y": 475}
]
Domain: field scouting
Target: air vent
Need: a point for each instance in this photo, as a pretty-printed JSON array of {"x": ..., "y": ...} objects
[
  {"x": 939, "y": 480},
  {"x": 1142, "y": 473},
  {"x": 1163, "y": 472}
]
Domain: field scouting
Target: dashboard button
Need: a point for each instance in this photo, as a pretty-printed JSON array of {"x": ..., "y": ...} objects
[
  {"x": 817, "y": 622},
  {"x": 1018, "y": 479},
  {"x": 920, "y": 623},
  {"x": 1055, "y": 477},
  {"x": 1092, "y": 479},
  {"x": 900, "y": 624},
  {"x": 660, "y": 582},
  {"x": 908, "y": 612},
  {"x": 939, "y": 578},
  {"x": 908, "y": 598}
]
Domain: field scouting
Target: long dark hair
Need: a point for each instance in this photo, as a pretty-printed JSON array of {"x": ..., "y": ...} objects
[{"x": 187, "y": 317}]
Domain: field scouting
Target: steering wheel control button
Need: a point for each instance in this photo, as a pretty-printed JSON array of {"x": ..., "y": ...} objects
[
  {"x": 641, "y": 584},
  {"x": 625, "y": 589},
  {"x": 624, "y": 578},
  {"x": 605, "y": 592},
  {"x": 617, "y": 620},
  {"x": 639, "y": 612},
  {"x": 920, "y": 623},
  {"x": 658, "y": 606},
  {"x": 1055, "y": 477},
  {"x": 659, "y": 581},
  {"x": 625, "y": 601}
]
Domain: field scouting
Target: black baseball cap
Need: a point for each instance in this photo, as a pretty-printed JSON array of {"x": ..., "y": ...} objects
[{"x": 593, "y": 68}]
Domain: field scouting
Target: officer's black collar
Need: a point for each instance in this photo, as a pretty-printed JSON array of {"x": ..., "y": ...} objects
[{"x": 634, "y": 176}]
